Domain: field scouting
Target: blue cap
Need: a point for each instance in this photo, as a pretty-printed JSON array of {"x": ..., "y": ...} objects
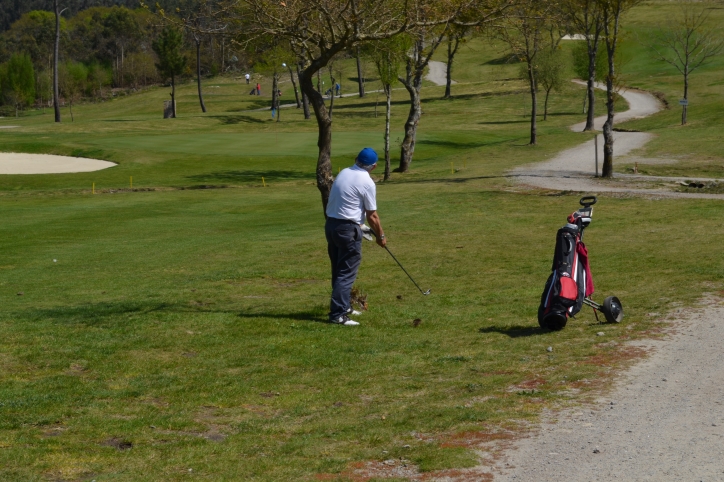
[{"x": 367, "y": 156}]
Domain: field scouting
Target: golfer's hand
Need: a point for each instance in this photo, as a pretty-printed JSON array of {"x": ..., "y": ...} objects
[{"x": 382, "y": 242}]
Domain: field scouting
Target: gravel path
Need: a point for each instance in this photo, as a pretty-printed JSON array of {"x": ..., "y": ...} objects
[
  {"x": 664, "y": 421},
  {"x": 574, "y": 169}
]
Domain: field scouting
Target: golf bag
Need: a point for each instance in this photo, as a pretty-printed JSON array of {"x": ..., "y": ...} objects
[{"x": 570, "y": 285}]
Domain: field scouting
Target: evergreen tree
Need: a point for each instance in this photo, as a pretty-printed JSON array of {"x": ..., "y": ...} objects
[
  {"x": 171, "y": 59},
  {"x": 18, "y": 81}
]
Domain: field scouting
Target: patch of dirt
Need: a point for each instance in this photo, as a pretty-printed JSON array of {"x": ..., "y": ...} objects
[{"x": 118, "y": 443}]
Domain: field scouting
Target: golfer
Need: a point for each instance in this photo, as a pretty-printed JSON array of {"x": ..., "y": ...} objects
[{"x": 353, "y": 197}]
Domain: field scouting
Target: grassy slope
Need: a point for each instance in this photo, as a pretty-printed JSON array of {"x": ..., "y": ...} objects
[
  {"x": 186, "y": 321},
  {"x": 697, "y": 145}
]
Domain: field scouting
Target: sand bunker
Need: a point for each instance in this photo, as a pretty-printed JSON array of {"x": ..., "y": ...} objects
[{"x": 16, "y": 163}]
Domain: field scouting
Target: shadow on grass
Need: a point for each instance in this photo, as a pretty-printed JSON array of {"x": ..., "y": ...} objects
[
  {"x": 461, "y": 145},
  {"x": 515, "y": 331},
  {"x": 251, "y": 176},
  {"x": 231, "y": 120},
  {"x": 92, "y": 313},
  {"x": 315, "y": 317},
  {"x": 505, "y": 59}
]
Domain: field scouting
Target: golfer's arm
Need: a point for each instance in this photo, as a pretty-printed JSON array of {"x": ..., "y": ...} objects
[{"x": 374, "y": 221}]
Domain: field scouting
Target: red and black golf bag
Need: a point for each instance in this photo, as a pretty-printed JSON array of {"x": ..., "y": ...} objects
[{"x": 570, "y": 285}]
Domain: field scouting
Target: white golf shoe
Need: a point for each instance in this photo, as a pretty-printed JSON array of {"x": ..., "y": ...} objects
[{"x": 344, "y": 320}]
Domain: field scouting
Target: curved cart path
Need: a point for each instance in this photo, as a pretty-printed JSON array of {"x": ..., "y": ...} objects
[
  {"x": 573, "y": 169},
  {"x": 664, "y": 420}
]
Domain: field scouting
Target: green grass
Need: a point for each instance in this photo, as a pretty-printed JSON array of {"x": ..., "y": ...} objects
[{"x": 183, "y": 329}]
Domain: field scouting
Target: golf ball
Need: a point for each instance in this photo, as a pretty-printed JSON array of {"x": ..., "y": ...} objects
[{"x": 55, "y": 261}]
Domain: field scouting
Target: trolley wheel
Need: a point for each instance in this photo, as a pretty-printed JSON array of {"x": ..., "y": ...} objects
[{"x": 612, "y": 309}]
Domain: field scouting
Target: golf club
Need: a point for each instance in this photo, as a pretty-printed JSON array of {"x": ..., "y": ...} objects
[{"x": 365, "y": 230}]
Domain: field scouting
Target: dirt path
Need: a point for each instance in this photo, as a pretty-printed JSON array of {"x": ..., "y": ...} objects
[
  {"x": 663, "y": 421},
  {"x": 574, "y": 169}
]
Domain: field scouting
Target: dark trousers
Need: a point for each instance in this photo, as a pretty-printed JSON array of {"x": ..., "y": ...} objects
[{"x": 344, "y": 245}]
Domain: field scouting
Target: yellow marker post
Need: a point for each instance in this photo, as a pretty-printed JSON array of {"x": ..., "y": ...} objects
[
  {"x": 131, "y": 182},
  {"x": 452, "y": 171},
  {"x": 94, "y": 188},
  {"x": 263, "y": 182}
]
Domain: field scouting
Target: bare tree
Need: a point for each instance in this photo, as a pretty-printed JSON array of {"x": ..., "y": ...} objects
[
  {"x": 455, "y": 37},
  {"x": 324, "y": 28},
  {"x": 611, "y": 12},
  {"x": 423, "y": 48},
  {"x": 584, "y": 17},
  {"x": 360, "y": 77},
  {"x": 687, "y": 44},
  {"x": 525, "y": 33}
]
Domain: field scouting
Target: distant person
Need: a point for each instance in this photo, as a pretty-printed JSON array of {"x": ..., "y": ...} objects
[
  {"x": 258, "y": 89},
  {"x": 352, "y": 198},
  {"x": 247, "y": 77},
  {"x": 337, "y": 88}
]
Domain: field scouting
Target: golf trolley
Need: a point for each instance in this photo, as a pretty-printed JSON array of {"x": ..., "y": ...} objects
[{"x": 570, "y": 285}]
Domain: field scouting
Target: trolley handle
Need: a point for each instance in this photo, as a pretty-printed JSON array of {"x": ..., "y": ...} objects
[{"x": 587, "y": 201}]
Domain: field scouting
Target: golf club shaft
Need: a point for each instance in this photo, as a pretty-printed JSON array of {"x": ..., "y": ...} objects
[
  {"x": 403, "y": 269},
  {"x": 425, "y": 293}
]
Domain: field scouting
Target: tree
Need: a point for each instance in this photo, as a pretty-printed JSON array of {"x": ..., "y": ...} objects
[
  {"x": 323, "y": 29},
  {"x": 272, "y": 63},
  {"x": 525, "y": 33},
  {"x": 73, "y": 82},
  {"x": 585, "y": 17},
  {"x": 121, "y": 29},
  {"x": 18, "y": 81},
  {"x": 611, "y": 12},
  {"x": 687, "y": 44},
  {"x": 424, "y": 45},
  {"x": 56, "y": 56},
  {"x": 581, "y": 65},
  {"x": 388, "y": 55},
  {"x": 360, "y": 76},
  {"x": 171, "y": 61},
  {"x": 550, "y": 68},
  {"x": 455, "y": 37}
]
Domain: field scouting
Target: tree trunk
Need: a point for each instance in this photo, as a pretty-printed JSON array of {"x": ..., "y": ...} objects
[
  {"x": 324, "y": 123},
  {"x": 545, "y": 105},
  {"x": 305, "y": 99},
  {"x": 294, "y": 84},
  {"x": 173, "y": 96},
  {"x": 407, "y": 149},
  {"x": 388, "y": 92},
  {"x": 607, "y": 170},
  {"x": 198, "y": 74},
  {"x": 686, "y": 97},
  {"x": 590, "y": 84},
  {"x": 56, "y": 49},
  {"x": 450, "y": 57},
  {"x": 331, "y": 97},
  {"x": 534, "y": 106},
  {"x": 275, "y": 89},
  {"x": 360, "y": 80},
  {"x": 70, "y": 105}
]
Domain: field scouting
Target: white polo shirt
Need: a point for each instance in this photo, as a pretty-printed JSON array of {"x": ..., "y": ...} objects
[{"x": 353, "y": 194}]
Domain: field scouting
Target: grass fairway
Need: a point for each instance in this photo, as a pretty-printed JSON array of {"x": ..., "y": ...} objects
[{"x": 173, "y": 333}]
